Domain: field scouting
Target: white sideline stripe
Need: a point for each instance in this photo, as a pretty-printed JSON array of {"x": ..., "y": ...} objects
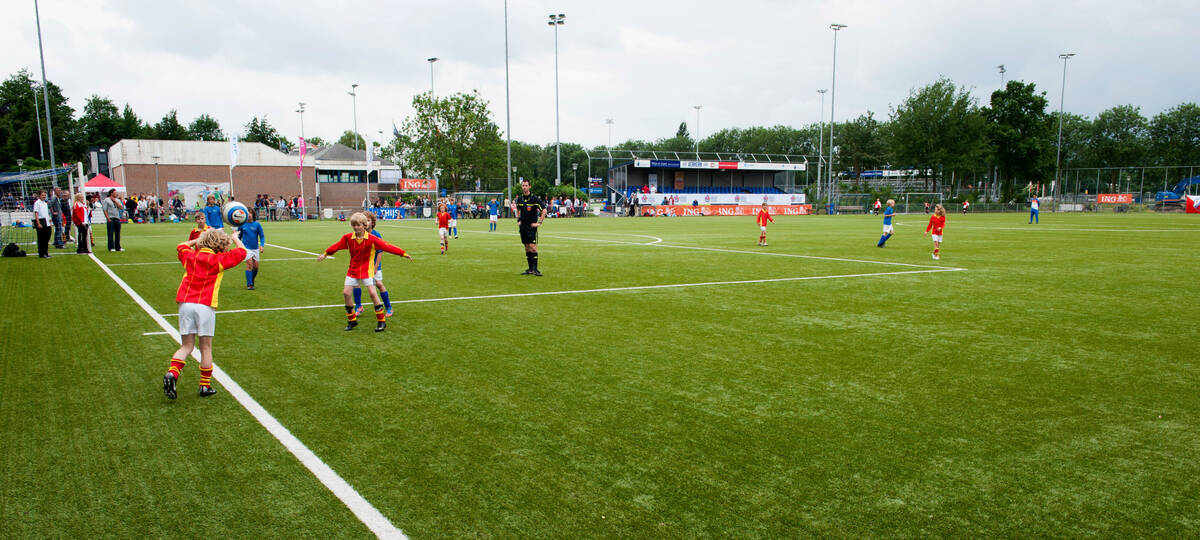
[
  {"x": 154, "y": 333},
  {"x": 371, "y": 517},
  {"x": 1096, "y": 229},
  {"x": 297, "y": 250},
  {"x": 607, "y": 289},
  {"x": 177, "y": 262}
]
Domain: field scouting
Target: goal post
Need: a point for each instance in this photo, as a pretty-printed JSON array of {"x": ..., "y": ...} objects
[{"x": 914, "y": 203}]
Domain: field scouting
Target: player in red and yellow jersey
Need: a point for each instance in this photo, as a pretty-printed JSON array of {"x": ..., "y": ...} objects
[
  {"x": 443, "y": 223},
  {"x": 201, "y": 226},
  {"x": 762, "y": 219},
  {"x": 362, "y": 247},
  {"x": 937, "y": 222},
  {"x": 204, "y": 260}
]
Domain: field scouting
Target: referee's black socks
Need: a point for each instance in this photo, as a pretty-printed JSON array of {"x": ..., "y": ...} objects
[{"x": 532, "y": 259}]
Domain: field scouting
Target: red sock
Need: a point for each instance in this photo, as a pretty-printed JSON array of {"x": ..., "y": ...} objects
[
  {"x": 351, "y": 315},
  {"x": 762, "y": 238},
  {"x": 935, "y": 251},
  {"x": 205, "y": 377},
  {"x": 380, "y": 314},
  {"x": 176, "y": 368}
]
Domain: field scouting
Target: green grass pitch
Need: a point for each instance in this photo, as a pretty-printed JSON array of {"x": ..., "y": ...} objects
[{"x": 1037, "y": 381}]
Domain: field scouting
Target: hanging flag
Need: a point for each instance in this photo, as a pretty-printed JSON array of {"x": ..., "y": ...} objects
[
  {"x": 233, "y": 151},
  {"x": 370, "y": 152},
  {"x": 395, "y": 132}
]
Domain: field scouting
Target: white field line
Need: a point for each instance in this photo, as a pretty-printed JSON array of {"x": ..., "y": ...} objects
[
  {"x": 296, "y": 250},
  {"x": 363, "y": 510},
  {"x": 607, "y": 289},
  {"x": 1079, "y": 229},
  {"x": 177, "y": 262},
  {"x": 154, "y": 333}
]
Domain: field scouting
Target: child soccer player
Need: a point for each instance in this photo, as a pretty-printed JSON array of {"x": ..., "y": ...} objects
[
  {"x": 212, "y": 213},
  {"x": 362, "y": 247},
  {"x": 251, "y": 234},
  {"x": 383, "y": 292},
  {"x": 200, "y": 226},
  {"x": 443, "y": 223},
  {"x": 762, "y": 219},
  {"x": 493, "y": 214},
  {"x": 937, "y": 222},
  {"x": 1033, "y": 211},
  {"x": 204, "y": 259},
  {"x": 453, "y": 210},
  {"x": 887, "y": 222}
]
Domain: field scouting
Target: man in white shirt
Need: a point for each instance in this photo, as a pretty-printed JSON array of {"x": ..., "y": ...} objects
[{"x": 41, "y": 221}]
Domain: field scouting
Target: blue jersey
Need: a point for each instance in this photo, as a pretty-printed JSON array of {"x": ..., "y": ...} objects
[
  {"x": 378, "y": 254},
  {"x": 887, "y": 215},
  {"x": 252, "y": 234},
  {"x": 493, "y": 208},
  {"x": 453, "y": 209},
  {"x": 212, "y": 216}
]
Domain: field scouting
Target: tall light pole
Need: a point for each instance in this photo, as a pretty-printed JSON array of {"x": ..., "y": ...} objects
[
  {"x": 45, "y": 92},
  {"x": 1058, "y": 156},
  {"x": 697, "y": 107},
  {"x": 301, "y": 111},
  {"x": 575, "y": 176},
  {"x": 1002, "y": 72},
  {"x": 431, "y": 61},
  {"x": 354, "y": 99},
  {"x": 557, "y": 21},
  {"x": 156, "y": 197},
  {"x": 821, "y": 141},
  {"x": 507, "y": 112},
  {"x": 832, "y": 101}
]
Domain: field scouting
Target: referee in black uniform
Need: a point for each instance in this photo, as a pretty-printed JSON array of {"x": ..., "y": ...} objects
[{"x": 531, "y": 210}]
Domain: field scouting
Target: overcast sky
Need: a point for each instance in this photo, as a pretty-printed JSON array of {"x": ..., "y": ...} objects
[{"x": 644, "y": 64}]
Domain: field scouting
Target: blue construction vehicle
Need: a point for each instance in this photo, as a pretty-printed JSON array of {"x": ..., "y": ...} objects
[{"x": 1167, "y": 201}]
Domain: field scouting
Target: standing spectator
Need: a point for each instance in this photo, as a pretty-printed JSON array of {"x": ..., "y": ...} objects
[
  {"x": 131, "y": 208},
  {"x": 280, "y": 207},
  {"x": 79, "y": 216},
  {"x": 56, "y": 217},
  {"x": 112, "y": 213},
  {"x": 926, "y": 207},
  {"x": 300, "y": 207},
  {"x": 1034, "y": 204},
  {"x": 64, "y": 203},
  {"x": 42, "y": 221}
]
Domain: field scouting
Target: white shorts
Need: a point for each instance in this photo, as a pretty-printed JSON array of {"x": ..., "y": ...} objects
[
  {"x": 252, "y": 254},
  {"x": 453, "y": 223},
  {"x": 887, "y": 229},
  {"x": 442, "y": 232},
  {"x": 762, "y": 228},
  {"x": 492, "y": 217},
  {"x": 937, "y": 238},
  {"x": 362, "y": 283},
  {"x": 378, "y": 275},
  {"x": 197, "y": 319}
]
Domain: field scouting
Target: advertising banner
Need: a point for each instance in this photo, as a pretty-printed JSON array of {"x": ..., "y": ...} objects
[
  {"x": 195, "y": 194},
  {"x": 646, "y": 199},
  {"x": 740, "y": 165},
  {"x": 417, "y": 184},
  {"x": 1193, "y": 204},
  {"x": 725, "y": 210},
  {"x": 679, "y": 180},
  {"x": 1114, "y": 198},
  {"x": 392, "y": 212}
]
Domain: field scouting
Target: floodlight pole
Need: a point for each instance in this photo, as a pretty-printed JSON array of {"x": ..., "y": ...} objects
[
  {"x": 431, "y": 61},
  {"x": 821, "y": 141},
  {"x": 156, "y": 192},
  {"x": 697, "y": 107},
  {"x": 507, "y": 111},
  {"x": 37, "y": 115},
  {"x": 1002, "y": 72},
  {"x": 354, "y": 99},
  {"x": 45, "y": 92},
  {"x": 1058, "y": 155},
  {"x": 557, "y": 21},
  {"x": 832, "y": 101}
]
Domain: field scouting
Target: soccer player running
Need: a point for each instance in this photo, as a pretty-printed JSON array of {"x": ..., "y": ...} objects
[
  {"x": 531, "y": 211},
  {"x": 204, "y": 260},
  {"x": 383, "y": 292},
  {"x": 443, "y": 223},
  {"x": 762, "y": 219},
  {"x": 252, "y": 236},
  {"x": 493, "y": 214},
  {"x": 362, "y": 247},
  {"x": 887, "y": 222},
  {"x": 937, "y": 222},
  {"x": 1033, "y": 211}
]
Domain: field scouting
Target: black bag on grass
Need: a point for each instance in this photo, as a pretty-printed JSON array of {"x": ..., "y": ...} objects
[{"x": 11, "y": 250}]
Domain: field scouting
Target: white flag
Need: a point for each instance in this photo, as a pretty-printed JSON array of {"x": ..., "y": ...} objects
[
  {"x": 370, "y": 153},
  {"x": 233, "y": 151}
]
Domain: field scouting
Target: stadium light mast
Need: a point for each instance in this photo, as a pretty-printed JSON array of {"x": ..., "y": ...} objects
[
  {"x": 557, "y": 21},
  {"x": 821, "y": 140},
  {"x": 37, "y": 115},
  {"x": 431, "y": 61},
  {"x": 1058, "y": 157},
  {"x": 301, "y": 111},
  {"x": 507, "y": 112},
  {"x": 354, "y": 99},
  {"x": 832, "y": 101},
  {"x": 45, "y": 92},
  {"x": 698, "y": 107},
  {"x": 1002, "y": 72}
]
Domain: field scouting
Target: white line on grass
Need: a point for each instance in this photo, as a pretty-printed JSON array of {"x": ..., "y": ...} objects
[
  {"x": 296, "y": 250},
  {"x": 362, "y": 509},
  {"x": 177, "y": 262},
  {"x": 607, "y": 289},
  {"x": 154, "y": 333},
  {"x": 1079, "y": 229}
]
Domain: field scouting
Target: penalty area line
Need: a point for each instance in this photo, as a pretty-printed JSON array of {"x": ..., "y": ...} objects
[
  {"x": 362, "y": 509},
  {"x": 296, "y": 250}
]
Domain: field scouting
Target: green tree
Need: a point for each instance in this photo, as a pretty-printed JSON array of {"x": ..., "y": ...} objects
[
  {"x": 1120, "y": 137},
  {"x": 262, "y": 131},
  {"x": 453, "y": 136},
  {"x": 682, "y": 132},
  {"x": 1175, "y": 135},
  {"x": 938, "y": 127},
  {"x": 861, "y": 143},
  {"x": 205, "y": 128},
  {"x": 348, "y": 139},
  {"x": 1019, "y": 131},
  {"x": 170, "y": 129},
  {"x": 762, "y": 140},
  {"x": 19, "y": 120},
  {"x": 100, "y": 124},
  {"x": 316, "y": 141},
  {"x": 131, "y": 126}
]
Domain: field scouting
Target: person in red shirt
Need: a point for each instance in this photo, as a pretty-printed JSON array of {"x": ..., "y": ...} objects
[
  {"x": 79, "y": 216},
  {"x": 201, "y": 226},
  {"x": 204, "y": 260},
  {"x": 443, "y": 223},
  {"x": 361, "y": 273},
  {"x": 937, "y": 222},
  {"x": 762, "y": 219}
]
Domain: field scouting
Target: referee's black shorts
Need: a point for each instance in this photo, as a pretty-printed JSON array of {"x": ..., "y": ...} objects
[{"x": 528, "y": 234}]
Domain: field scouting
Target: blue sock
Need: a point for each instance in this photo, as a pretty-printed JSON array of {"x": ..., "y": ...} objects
[
  {"x": 357, "y": 297},
  {"x": 249, "y": 277},
  {"x": 456, "y": 231},
  {"x": 387, "y": 302},
  {"x": 882, "y": 239}
]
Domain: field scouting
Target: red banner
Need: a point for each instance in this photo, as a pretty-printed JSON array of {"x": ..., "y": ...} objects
[
  {"x": 726, "y": 210},
  {"x": 1193, "y": 204},
  {"x": 418, "y": 184},
  {"x": 1114, "y": 198}
]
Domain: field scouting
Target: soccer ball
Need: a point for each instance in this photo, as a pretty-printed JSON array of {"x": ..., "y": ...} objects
[{"x": 235, "y": 213}]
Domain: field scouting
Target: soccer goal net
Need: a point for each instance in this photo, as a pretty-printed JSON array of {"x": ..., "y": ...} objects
[
  {"x": 916, "y": 203},
  {"x": 18, "y": 191}
]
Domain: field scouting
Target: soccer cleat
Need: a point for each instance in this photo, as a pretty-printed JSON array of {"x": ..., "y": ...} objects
[
  {"x": 206, "y": 391},
  {"x": 536, "y": 273},
  {"x": 169, "y": 386},
  {"x": 380, "y": 326},
  {"x": 527, "y": 272},
  {"x": 357, "y": 311},
  {"x": 250, "y": 287},
  {"x": 937, "y": 257},
  {"x": 389, "y": 312},
  {"x": 764, "y": 243},
  {"x": 350, "y": 325}
]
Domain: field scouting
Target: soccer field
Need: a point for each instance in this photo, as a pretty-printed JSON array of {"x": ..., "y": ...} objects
[{"x": 666, "y": 378}]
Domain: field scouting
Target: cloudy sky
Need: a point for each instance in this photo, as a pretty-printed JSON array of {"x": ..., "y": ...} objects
[{"x": 644, "y": 64}]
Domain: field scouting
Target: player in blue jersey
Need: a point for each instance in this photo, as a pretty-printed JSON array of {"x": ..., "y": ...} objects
[
  {"x": 383, "y": 292},
  {"x": 453, "y": 209},
  {"x": 212, "y": 213},
  {"x": 887, "y": 222},
  {"x": 252, "y": 236},
  {"x": 493, "y": 214}
]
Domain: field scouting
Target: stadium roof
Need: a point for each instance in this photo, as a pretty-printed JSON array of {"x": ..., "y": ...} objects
[{"x": 341, "y": 152}]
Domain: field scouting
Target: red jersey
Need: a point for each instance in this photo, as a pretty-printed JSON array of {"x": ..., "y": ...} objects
[
  {"x": 763, "y": 218},
  {"x": 79, "y": 214},
  {"x": 443, "y": 220},
  {"x": 202, "y": 273},
  {"x": 196, "y": 232},
  {"x": 362, "y": 253},
  {"x": 936, "y": 224}
]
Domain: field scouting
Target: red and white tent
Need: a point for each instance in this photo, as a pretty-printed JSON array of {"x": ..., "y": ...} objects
[{"x": 102, "y": 184}]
